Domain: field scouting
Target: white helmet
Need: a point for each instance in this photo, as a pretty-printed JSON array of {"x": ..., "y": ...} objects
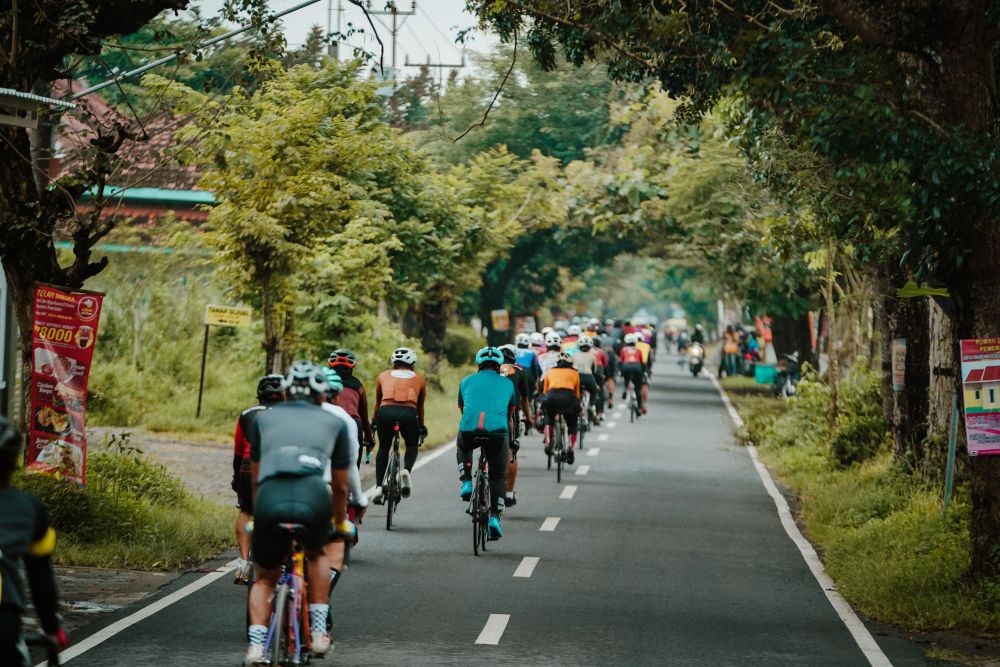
[
  {"x": 538, "y": 338},
  {"x": 547, "y": 330},
  {"x": 585, "y": 341},
  {"x": 553, "y": 340},
  {"x": 522, "y": 340},
  {"x": 574, "y": 330},
  {"x": 404, "y": 355},
  {"x": 629, "y": 339}
]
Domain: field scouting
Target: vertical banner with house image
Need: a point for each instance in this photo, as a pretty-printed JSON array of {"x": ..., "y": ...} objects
[
  {"x": 62, "y": 346},
  {"x": 981, "y": 393}
]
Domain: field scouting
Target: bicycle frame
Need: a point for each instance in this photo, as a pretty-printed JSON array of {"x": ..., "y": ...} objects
[
  {"x": 390, "y": 482},
  {"x": 295, "y": 629},
  {"x": 479, "y": 503}
]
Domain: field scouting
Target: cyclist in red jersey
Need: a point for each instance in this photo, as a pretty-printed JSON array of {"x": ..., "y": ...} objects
[
  {"x": 270, "y": 390},
  {"x": 353, "y": 399},
  {"x": 633, "y": 370}
]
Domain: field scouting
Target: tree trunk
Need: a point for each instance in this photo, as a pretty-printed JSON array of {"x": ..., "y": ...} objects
[
  {"x": 943, "y": 366},
  {"x": 270, "y": 344}
]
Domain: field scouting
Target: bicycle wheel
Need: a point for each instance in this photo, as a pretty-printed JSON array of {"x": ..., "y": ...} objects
[
  {"x": 560, "y": 452},
  {"x": 391, "y": 488},
  {"x": 476, "y": 515},
  {"x": 279, "y": 626},
  {"x": 484, "y": 514}
]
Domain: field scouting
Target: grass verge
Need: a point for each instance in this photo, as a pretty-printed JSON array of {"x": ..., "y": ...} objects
[
  {"x": 131, "y": 514},
  {"x": 896, "y": 557}
]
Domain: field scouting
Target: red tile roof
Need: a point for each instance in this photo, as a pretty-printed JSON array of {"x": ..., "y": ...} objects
[
  {"x": 975, "y": 375},
  {"x": 991, "y": 374}
]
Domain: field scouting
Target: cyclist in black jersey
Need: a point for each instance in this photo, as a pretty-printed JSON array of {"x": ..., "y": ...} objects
[
  {"x": 25, "y": 537},
  {"x": 299, "y": 457}
]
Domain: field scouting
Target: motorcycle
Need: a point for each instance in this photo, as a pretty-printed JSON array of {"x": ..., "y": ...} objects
[
  {"x": 788, "y": 376},
  {"x": 696, "y": 358}
]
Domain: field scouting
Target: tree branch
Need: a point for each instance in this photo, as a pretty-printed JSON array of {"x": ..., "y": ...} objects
[{"x": 513, "y": 61}]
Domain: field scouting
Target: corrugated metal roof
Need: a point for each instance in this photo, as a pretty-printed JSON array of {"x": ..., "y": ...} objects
[{"x": 10, "y": 93}]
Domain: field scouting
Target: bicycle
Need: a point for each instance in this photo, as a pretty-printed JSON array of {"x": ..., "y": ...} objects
[
  {"x": 584, "y": 421},
  {"x": 288, "y": 640},
  {"x": 558, "y": 446},
  {"x": 633, "y": 403},
  {"x": 479, "y": 503},
  {"x": 391, "y": 490}
]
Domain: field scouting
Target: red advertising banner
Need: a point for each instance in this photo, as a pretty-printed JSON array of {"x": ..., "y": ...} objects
[
  {"x": 981, "y": 394},
  {"x": 62, "y": 347}
]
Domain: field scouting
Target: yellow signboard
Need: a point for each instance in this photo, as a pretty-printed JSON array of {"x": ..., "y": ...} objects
[
  {"x": 227, "y": 316},
  {"x": 501, "y": 320}
]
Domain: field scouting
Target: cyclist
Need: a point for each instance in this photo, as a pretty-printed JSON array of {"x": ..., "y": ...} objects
[
  {"x": 513, "y": 371},
  {"x": 547, "y": 359},
  {"x": 537, "y": 343},
  {"x": 601, "y": 375},
  {"x": 399, "y": 397},
  {"x": 336, "y": 550},
  {"x": 645, "y": 349},
  {"x": 526, "y": 358},
  {"x": 585, "y": 363},
  {"x": 353, "y": 398},
  {"x": 25, "y": 537},
  {"x": 270, "y": 390},
  {"x": 569, "y": 342},
  {"x": 487, "y": 401},
  {"x": 633, "y": 370},
  {"x": 300, "y": 455},
  {"x": 611, "y": 367},
  {"x": 562, "y": 396}
]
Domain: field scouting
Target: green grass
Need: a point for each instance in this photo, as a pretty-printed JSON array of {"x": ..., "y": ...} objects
[
  {"x": 132, "y": 514},
  {"x": 881, "y": 531}
]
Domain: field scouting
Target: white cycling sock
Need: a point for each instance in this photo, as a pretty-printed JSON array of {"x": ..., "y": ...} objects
[
  {"x": 318, "y": 613},
  {"x": 257, "y": 634}
]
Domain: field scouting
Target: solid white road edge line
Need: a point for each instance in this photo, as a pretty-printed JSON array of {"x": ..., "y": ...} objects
[
  {"x": 603, "y": 437},
  {"x": 526, "y": 567},
  {"x": 107, "y": 633},
  {"x": 549, "y": 525},
  {"x": 582, "y": 470},
  {"x": 568, "y": 492},
  {"x": 495, "y": 626},
  {"x": 858, "y": 631},
  {"x": 594, "y": 452}
]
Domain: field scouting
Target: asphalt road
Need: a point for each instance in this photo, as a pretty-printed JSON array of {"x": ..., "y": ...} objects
[{"x": 668, "y": 552}]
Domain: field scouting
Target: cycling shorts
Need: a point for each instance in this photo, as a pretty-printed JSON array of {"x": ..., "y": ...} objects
[
  {"x": 634, "y": 373},
  {"x": 303, "y": 500}
]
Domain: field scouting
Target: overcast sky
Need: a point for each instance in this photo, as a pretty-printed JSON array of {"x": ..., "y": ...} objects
[{"x": 429, "y": 33}]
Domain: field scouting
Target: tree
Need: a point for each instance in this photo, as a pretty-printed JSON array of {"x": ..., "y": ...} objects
[
  {"x": 896, "y": 99},
  {"x": 294, "y": 166}
]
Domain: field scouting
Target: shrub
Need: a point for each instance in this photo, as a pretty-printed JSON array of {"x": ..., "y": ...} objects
[
  {"x": 862, "y": 430},
  {"x": 461, "y": 344}
]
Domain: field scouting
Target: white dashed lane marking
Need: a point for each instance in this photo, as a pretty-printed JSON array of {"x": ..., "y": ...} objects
[
  {"x": 549, "y": 525},
  {"x": 594, "y": 452},
  {"x": 603, "y": 437},
  {"x": 568, "y": 492},
  {"x": 493, "y": 631},
  {"x": 612, "y": 425},
  {"x": 582, "y": 470},
  {"x": 526, "y": 567}
]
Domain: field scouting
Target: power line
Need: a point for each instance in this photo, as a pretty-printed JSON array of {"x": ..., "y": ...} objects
[{"x": 449, "y": 40}]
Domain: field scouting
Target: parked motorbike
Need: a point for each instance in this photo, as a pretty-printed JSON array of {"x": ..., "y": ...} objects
[
  {"x": 747, "y": 364},
  {"x": 788, "y": 376},
  {"x": 696, "y": 358}
]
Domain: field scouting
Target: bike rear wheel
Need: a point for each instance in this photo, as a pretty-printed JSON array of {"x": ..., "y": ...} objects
[
  {"x": 484, "y": 513},
  {"x": 391, "y": 488},
  {"x": 560, "y": 452},
  {"x": 280, "y": 622}
]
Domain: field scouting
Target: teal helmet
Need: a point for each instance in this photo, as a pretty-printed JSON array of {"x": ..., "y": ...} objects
[
  {"x": 489, "y": 354},
  {"x": 334, "y": 380}
]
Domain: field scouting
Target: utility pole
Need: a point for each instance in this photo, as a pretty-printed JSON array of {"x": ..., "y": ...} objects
[
  {"x": 393, "y": 10},
  {"x": 333, "y": 48},
  {"x": 439, "y": 66}
]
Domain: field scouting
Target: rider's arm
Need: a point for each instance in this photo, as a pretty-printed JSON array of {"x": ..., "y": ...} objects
[
  {"x": 420, "y": 402},
  {"x": 38, "y": 568},
  {"x": 254, "y": 457},
  {"x": 356, "y": 491},
  {"x": 366, "y": 425}
]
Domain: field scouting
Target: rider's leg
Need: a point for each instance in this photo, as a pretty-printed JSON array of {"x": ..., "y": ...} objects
[
  {"x": 260, "y": 596},
  {"x": 511, "y": 475},
  {"x": 242, "y": 536},
  {"x": 12, "y": 650},
  {"x": 464, "y": 458},
  {"x": 385, "y": 434},
  {"x": 410, "y": 429},
  {"x": 571, "y": 415},
  {"x": 497, "y": 454}
]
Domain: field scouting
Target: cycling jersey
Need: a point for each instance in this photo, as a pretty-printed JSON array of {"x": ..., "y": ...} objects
[
  {"x": 547, "y": 360},
  {"x": 528, "y": 360},
  {"x": 562, "y": 378},
  {"x": 486, "y": 400},
  {"x": 354, "y": 399},
  {"x": 298, "y": 439},
  {"x": 585, "y": 362},
  {"x": 241, "y": 444},
  {"x": 643, "y": 347},
  {"x": 630, "y": 355},
  {"x": 357, "y": 494},
  {"x": 569, "y": 345},
  {"x": 403, "y": 387},
  {"x": 519, "y": 377}
]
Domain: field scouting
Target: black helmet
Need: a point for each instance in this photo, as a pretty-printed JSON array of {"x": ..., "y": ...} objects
[
  {"x": 271, "y": 388},
  {"x": 305, "y": 380}
]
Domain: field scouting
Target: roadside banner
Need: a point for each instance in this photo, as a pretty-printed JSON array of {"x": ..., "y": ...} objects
[
  {"x": 500, "y": 320},
  {"x": 64, "y": 332},
  {"x": 981, "y": 394}
]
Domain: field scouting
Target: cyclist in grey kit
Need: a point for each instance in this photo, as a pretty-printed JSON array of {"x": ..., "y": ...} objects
[{"x": 299, "y": 456}]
